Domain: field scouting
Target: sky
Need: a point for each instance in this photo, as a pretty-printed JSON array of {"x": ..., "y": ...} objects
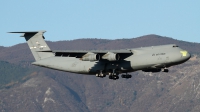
[{"x": 105, "y": 19}]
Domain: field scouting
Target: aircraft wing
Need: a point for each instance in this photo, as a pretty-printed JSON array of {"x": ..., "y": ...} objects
[
  {"x": 94, "y": 51},
  {"x": 92, "y": 55}
]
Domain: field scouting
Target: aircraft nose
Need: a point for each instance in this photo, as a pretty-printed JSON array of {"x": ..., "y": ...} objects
[
  {"x": 188, "y": 55},
  {"x": 185, "y": 55}
]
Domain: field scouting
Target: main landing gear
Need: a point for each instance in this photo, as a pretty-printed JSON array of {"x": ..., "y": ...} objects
[
  {"x": 127, "y": 76},
  {"x": 114, "y": 75},
  {"x": 100, "y": 74}
]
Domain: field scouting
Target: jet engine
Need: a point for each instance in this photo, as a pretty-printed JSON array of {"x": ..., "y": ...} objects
[
  {"x": 90, "y": 57},
  {"x": 111, "y": 56}
]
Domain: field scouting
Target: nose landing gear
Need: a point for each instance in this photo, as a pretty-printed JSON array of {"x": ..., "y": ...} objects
[{"x": 165, "y": 70}]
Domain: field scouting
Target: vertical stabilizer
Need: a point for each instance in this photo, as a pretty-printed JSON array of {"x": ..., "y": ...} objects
[{"x": 36, "y": 43}]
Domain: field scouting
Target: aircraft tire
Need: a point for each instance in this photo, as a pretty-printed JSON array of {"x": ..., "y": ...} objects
[
  {"x": 110, "y": 77},
  {"x": 116, "y": 77},
  {"x": 166, "y": 70}
]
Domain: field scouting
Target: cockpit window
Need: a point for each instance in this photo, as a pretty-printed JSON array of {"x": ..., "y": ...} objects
[{"x": 175, "y": 46}]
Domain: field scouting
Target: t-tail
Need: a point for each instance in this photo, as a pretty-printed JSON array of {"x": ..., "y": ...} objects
[{"x": 36, "y": 43}]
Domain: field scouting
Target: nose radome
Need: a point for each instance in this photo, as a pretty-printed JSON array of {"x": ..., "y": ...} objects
[{"x": 185, "y": 55}]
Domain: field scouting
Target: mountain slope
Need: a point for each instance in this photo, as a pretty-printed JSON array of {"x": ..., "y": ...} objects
[
  {"x": 50, "y": 91},
  {"x": 54, "y": 91},
  {"x": 11, "y": 74}
]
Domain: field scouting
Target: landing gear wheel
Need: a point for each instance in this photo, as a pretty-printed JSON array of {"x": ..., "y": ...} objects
[
  {"x": 165, "y": 70},
  {"x": 100, "y": 74},
  {"x": 110, "y": 77},
  {"x": 127, "y": 76},
  {"x": 114, "y": 77}
]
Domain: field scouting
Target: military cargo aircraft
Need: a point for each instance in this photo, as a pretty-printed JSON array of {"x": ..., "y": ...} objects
[{"x": 104, "y": 62}]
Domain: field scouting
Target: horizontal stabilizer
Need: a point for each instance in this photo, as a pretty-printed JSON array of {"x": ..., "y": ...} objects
[{"x": 29, "y": 31}]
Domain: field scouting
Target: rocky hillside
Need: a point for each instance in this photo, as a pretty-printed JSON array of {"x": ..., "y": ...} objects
[{"x": 44, "y": 90}]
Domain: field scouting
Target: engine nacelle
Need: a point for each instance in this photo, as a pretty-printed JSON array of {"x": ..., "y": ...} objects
[
  {"x": 111, "y": 56},
  {"x": 91, "y": 57}
]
